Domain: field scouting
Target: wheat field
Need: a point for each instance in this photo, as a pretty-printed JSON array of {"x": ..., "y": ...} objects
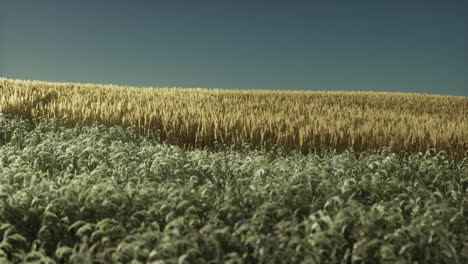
[{"x": 302, "y": 120}]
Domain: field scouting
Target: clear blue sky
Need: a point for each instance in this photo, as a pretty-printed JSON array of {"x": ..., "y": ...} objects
[{"x": 404, "y": 46}]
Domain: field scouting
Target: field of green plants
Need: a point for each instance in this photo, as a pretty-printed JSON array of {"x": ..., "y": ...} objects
[{"x": 108, "y": 195}]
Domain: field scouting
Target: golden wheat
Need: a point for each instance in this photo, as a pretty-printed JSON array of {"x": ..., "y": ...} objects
[{"x": 298, "y": 119}]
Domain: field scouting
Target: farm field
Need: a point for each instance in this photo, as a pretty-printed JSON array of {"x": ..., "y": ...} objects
[
  {"x": 275, "y": 132},
  {"x": 203, "y": 118},
  {"x": 108, "y": 174},
  {"x": 99, "y": 194}
]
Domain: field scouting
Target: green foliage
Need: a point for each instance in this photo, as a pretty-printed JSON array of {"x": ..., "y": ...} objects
[{"x": 105, "y": 195}]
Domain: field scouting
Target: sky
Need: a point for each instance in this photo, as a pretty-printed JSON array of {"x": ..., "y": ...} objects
[{"x": 395, "y": 46}]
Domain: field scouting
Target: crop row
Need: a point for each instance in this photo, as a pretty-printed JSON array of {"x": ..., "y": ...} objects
[{"x": 296, "y": 120}]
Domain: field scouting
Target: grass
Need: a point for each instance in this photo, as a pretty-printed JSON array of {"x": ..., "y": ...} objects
[
  {"x": 102, "y": 194},
  {"x": 107, "y": 174}
]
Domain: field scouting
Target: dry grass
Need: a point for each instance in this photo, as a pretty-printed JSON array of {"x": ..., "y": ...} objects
[{"x": 299, "y": 119}]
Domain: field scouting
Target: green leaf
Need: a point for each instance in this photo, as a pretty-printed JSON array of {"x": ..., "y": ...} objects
[
  {"x": 63, "y": 252},
  {"x": 86, "y": 228}
]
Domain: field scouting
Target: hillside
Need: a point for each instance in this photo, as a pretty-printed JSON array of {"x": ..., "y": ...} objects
[{"x": 298, "y": 120}]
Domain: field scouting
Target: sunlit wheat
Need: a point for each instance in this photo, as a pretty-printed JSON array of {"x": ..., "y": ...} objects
[{"x": 296, "y": 119}]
